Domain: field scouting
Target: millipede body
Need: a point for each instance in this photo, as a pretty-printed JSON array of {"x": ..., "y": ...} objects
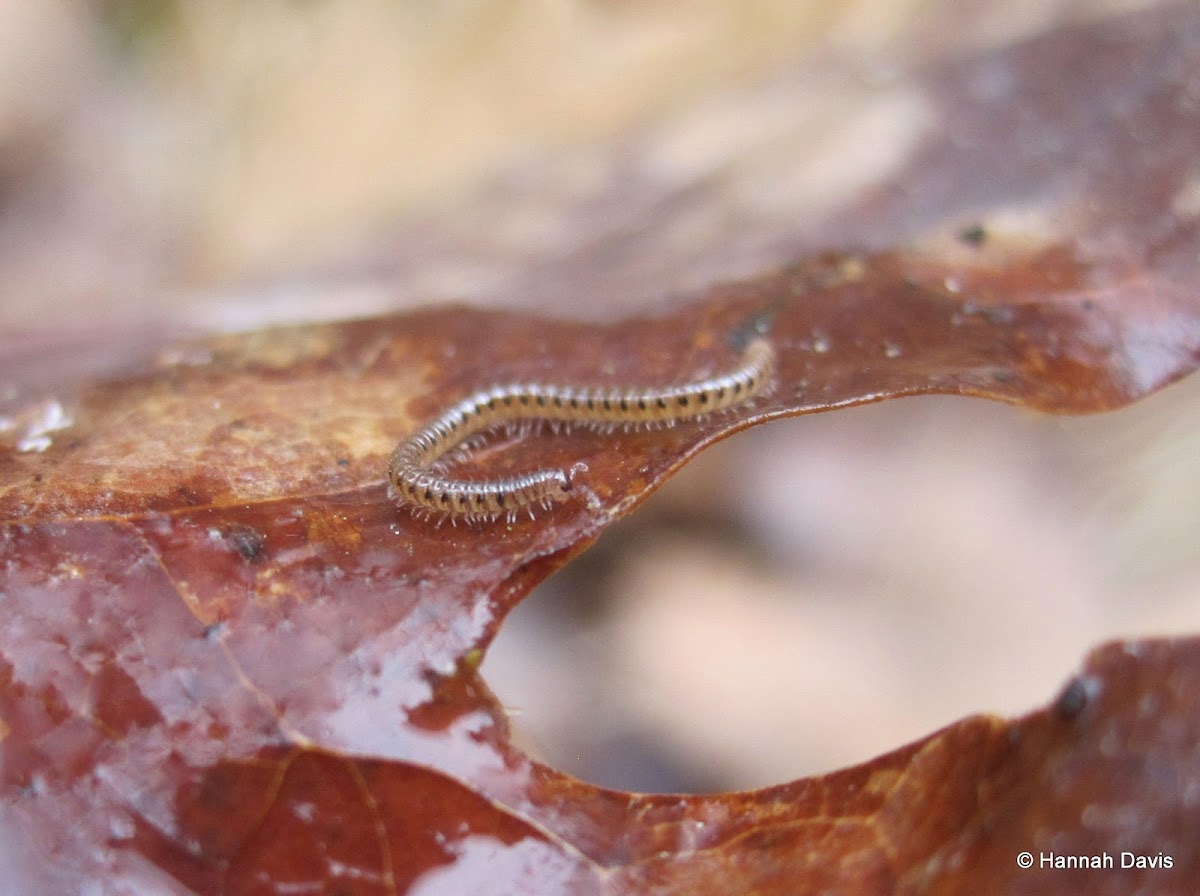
[{"x": 414, "y": 471}]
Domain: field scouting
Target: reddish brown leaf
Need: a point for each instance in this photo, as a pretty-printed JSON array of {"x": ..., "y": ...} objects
[{"x": 228, "y": 663}]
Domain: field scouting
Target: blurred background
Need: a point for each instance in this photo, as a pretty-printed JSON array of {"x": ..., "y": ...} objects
[
  {"x": 801, "y": 597},
  {"x": 151, "y": 145}
]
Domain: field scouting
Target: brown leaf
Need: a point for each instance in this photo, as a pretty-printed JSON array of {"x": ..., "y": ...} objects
[{"x": 228, "y": 663}]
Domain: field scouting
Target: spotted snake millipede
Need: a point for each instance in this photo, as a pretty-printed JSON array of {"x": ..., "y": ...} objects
[{"x": 414, "y": 471}]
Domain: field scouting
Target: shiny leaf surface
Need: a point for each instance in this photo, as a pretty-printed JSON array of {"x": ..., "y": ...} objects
[{"x": 229, "y": 663}]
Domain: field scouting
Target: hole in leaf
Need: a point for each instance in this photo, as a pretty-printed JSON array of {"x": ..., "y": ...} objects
[{"x": 810, "y": 594}]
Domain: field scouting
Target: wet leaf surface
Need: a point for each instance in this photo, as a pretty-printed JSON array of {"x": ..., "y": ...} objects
[{"x": 229, "y": 663}]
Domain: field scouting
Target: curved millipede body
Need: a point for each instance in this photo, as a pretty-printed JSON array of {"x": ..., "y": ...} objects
[{"x": 413, "y": 471}]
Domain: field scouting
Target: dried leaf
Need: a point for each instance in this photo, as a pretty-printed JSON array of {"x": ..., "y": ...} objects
[{"x": 228, "y": 663}]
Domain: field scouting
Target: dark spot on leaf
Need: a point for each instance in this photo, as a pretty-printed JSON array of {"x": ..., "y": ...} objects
[
  {"x": 214, "y": 632},
  {"x": 1073, "y": 699},
  {"x": 247, "y": 541},
  {"x": 973, "y": 235}
]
